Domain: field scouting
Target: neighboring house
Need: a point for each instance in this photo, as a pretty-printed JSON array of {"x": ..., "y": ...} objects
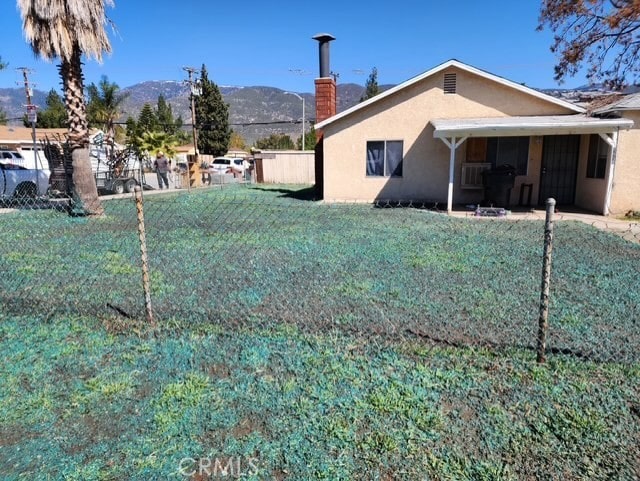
[
  {"x": 20, "y": 139},
  {"x": 431, "y": 137},
  {"x": 16, "y": 138}
]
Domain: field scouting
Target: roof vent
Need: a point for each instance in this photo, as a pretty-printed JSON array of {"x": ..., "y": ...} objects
[{"x": 449, "y": 83}]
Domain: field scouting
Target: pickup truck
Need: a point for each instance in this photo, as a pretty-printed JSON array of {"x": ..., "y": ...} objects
[{"x": 19, "y": 182}]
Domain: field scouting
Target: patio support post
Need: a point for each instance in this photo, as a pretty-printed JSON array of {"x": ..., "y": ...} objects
[
  {"x": 453, "y": 145},
  {"x": 613, "y": 154}
]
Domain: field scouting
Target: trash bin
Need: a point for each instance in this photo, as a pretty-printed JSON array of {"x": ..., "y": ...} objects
[{"x": 498, "y": 183}]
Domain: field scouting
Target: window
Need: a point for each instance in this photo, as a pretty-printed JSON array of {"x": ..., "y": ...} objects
[
  {"x": 598, "y": 155},
  {"x": 384, "y": 158},
  {"x": 449, "y": 83},
  {"x": 512, "y": 151}
]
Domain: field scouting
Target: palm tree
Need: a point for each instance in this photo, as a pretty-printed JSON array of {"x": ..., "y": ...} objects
[
  {"x": 105, "y": 105},
  {"x": 67, "y": 29},
  {"x": 154, "y": 142}
]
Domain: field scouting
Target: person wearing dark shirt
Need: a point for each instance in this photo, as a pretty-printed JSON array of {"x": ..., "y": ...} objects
[{"x": 161, "y": 165}]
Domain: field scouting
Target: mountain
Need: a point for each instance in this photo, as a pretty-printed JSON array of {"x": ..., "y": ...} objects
[
  {"x": 12, "y": 102},
  {"x": 254, "y": 112}
]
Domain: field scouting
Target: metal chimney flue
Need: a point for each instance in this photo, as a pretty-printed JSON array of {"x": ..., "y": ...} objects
[{"x": 323, "y": 40}]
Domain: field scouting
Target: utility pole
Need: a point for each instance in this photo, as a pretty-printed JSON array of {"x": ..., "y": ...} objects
[
  {"x": 32, "y": 116},
  {"x": 195, "y": 89},
  {"x": 27, "y": 89}
]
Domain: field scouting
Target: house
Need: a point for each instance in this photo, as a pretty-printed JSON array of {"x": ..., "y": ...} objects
[
  {"x": 16, "y": 138},
  {"x": 432, "y": 137}
]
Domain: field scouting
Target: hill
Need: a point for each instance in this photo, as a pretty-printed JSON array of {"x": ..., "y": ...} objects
[{"x": 254, "y": 112}]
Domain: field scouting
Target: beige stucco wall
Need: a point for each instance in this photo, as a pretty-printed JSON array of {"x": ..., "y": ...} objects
[
  {"x": 590, "y": 193},
  {"x": 405, "y": 116},
  {"x": 626, "y": 180}
]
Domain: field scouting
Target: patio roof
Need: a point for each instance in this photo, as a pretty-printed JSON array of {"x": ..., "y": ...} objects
[
  {"x": 529, "y": 125},
  {"x": 626, "y": 102}
]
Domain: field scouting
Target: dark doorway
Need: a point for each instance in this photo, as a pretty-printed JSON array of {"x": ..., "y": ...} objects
[{"x": 559, "y": 168}]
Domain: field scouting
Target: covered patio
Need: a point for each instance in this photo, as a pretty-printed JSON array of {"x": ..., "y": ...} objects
[{"x": 571, "y": 129}]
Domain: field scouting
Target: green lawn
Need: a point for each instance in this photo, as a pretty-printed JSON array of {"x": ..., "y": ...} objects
[{"x": 301, "y": 341}]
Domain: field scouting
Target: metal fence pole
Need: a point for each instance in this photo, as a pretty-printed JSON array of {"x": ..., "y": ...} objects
[
  {"x": 146, "y": 284},
  {"x": 546, "y": 281}
]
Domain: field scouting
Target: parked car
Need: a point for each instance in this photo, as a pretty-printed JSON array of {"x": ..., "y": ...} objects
[
  {"x": 223, "y": 165},
  {"x": 19, "y": 182}
]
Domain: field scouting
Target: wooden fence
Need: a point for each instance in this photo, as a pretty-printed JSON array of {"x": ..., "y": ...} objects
[{"x": 285, "y": 167}]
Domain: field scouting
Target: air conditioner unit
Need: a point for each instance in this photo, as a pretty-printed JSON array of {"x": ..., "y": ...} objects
[{"x": 472, "y": 175}]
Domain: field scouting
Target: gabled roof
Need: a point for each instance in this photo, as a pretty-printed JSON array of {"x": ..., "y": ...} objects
[
  {"x": 627, "y": 102},
  {"x": 461, "y": 66}
]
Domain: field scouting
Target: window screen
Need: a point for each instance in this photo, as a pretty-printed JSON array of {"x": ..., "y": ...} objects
[{"x": 384, "y": 158}]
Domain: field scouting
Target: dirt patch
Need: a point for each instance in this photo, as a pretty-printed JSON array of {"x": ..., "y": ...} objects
[
  {"x": 13, "y": 434},
  {"x": 91, "y": 430},
  {"x": 251, "y": 424},
  {"x": 219, "y": 371}
]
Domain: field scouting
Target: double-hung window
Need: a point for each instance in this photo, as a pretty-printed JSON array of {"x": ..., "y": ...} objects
[
  {"x": 597, "y": 159},
  {"x": 384, "y": 158}
]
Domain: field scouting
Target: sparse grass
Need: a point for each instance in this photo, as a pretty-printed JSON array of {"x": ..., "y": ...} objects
[
  {"x": 312, "y": 406},
  {"x": 301, "y": 336}
]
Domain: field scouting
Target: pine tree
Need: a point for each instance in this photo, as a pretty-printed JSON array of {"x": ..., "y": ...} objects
[
  {"x": 55, "y": 115},
  {"x": 132, "y": 134},
  {"x": 212, "y": 118},
  {"x": 164, "y": 115},
  {"x": 147, "y": 120},
  {"x": 371, "y": 87}
]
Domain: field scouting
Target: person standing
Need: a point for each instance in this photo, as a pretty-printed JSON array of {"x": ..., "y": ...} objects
[{"x": 162, "y": 170}]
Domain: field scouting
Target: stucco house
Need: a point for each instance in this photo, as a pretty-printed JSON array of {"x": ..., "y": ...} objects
[{"x": 431, "y": 137}]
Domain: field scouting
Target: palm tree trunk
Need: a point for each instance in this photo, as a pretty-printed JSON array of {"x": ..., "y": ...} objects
[{"x": 84, "y": 190}]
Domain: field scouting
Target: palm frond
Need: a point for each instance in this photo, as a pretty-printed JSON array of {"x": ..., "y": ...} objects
[{"x": 54, "y": 27}]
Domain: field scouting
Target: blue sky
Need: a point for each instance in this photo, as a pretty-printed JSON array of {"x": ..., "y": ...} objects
[{"x": 269, "y": 43}]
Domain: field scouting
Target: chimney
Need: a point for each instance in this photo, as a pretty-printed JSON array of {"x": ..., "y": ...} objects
[
  {"x": 325, "y": 106},
  {"x": 325, "y": 84}
]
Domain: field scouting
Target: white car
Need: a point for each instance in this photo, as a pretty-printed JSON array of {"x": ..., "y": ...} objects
[
  {"x": 19, "y": 182},
  {"x": 223, "y": 165}
]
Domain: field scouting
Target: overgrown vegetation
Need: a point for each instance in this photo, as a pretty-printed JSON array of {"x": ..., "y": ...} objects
[{"x": 306, "y": 341}]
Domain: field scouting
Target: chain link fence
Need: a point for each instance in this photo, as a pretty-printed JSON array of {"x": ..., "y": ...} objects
[
  {"x": 316, "y": 340},
  {"x": 244, "y": 257}
]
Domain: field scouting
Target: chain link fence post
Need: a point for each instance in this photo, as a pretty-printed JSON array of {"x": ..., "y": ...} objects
[
  {"x": 543, "y": 323},
  {"x": 146, "y": 284}
]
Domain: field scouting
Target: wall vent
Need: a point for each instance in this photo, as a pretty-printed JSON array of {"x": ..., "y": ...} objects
[{"x": 449, "y": 83}]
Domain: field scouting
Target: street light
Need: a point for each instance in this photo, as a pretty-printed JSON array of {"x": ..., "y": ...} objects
[{"x": 301, "y": 98}]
